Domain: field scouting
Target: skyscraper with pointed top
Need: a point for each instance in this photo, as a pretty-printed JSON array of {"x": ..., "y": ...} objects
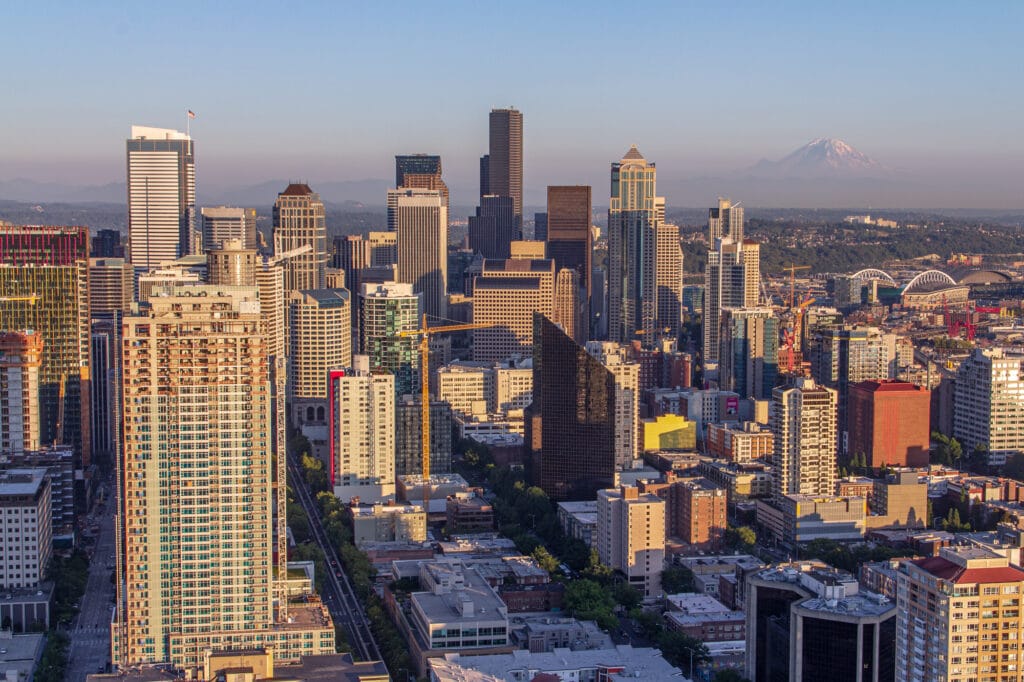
[{"x": 299, "y": 221}]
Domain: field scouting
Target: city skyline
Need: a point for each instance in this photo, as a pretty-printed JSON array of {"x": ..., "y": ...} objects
[{"x": 938, "y": 118}]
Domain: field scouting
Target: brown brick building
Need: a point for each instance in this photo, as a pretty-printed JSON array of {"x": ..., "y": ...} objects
[{"x": 889, "y": 423}]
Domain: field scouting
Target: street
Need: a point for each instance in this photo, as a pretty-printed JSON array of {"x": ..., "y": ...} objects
[{"x": 90, "y": 630}]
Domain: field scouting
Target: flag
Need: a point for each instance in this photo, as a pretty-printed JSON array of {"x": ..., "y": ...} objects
[{"x": 191, "y": 114}]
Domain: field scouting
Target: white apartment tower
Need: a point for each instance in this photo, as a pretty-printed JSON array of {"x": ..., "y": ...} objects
[
  {"x": 988, "y": 403},
  {"x": 627, "y": 399},
  {"x": 421, "y": 221},
  {"x": 26, "y": 527},
  {"x": 732, "y": 279},
  {"x": 161, "y": 197},
  {"x": 362, "y": 435},
  {"x": 803, "y": 421},
  {"x": 630, "y": 536}
]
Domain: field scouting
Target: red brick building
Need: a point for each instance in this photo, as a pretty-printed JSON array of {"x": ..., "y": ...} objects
[{"x": 889, "y": 423}]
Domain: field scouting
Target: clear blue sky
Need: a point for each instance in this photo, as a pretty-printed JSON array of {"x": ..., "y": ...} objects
[{"x": 331, "y": 91}]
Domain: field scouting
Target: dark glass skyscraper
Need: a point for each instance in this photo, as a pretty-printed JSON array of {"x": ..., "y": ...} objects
[
  {"x": 570, "y": 427},
  {"x": 568, "y": 233},
  {"x": 494, "y": 227},
  {"x": 504, "y": 165}
]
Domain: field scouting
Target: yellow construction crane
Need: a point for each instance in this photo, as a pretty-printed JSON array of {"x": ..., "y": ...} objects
[
  {"x": 31, "y": 298},
  {"x": 425, "y": 333},
  {"x": 792, "y": 280}
]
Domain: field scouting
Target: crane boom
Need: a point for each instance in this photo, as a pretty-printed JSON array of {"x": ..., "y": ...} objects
[
  {"x": 425, "y": 333},
  {"x": 305, "y": 248}
]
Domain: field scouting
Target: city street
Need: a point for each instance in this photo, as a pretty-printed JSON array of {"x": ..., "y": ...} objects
[{"x": 90, "y": 631}]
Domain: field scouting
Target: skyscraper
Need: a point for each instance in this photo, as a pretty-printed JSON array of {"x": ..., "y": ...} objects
[
  {"x": 21, "y": 355},
  {"x": 669, "y": 280},
  {"x": 420, "y": 171},
  {"x": 633, "y": 214},
  {"x": 570, "y": 427},
  {"x": 988, "y": 403},
  {"x": 506, "y": 294},
  {"x": 504, "y": 174},
  {"x": 725, "y": 221},
  {"x": 361, "y": 424},
  {"x": 299, "y": 221},
  {"x": 615, "y": 358},
  {"x": 567, "y": 231},
  {"x": 386, "y": 310},
  {"x": 221, "y": 223},
  {"x": 44, "y": 286},
  {"x": 320, "y": 340},
  {"x": 803, "y": 421},
  {"x": 111, "y": 286},
  {"x": 630, "y": 536},
  {"x": 732, "y": 279},
  {"x": 421, "y": 221},
  {"x": 231, "y": 263},
  {"x": 494, "y": 227},
  {"x": 749, "y": 355},
  {"x": 195, "y": 551},
  {"x": 161, "y": 197},
  {"x": 888, "y": 423}
]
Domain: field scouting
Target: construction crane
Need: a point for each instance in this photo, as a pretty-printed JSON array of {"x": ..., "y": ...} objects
[
  {"x": 305, "y": 248},
  {"x": 425, "y": 333},
  {"x": 792, "y": 280},
  {"x": 789, "y": 336},
  {"x": 31, "y": 298}
]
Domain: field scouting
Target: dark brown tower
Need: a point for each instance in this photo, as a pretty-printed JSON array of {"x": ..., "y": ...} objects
[{"x": 505, "y": 162}]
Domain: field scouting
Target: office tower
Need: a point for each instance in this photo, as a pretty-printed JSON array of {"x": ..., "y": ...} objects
[
  {"x": 732, "y": 279},
  {"x": 104, "y": 389},
  {"x": 231, "y": 263},
  {"x": 633, "y": 218},
  {"x": 161, "y": 197},
  {"x": 420, "y": 171},
  {"x": 493, "y": 229},
  {"x": 599, "y": 303},
  {"x": 749, "y": 355},
  {"x": 631, "y": 536},
  {"x": 21, "y": 356},
  {"x": 106, "y": 244},
  {"x": 421, "y": 221},
  {"x": 26, "y": 535},
  {"x": 386, "y": 310},
  {"x": 571, "y": 424},
  {"x": 988, "y": 404},
  {"x": 111, "y": 283},
  {"x": 351, "y": 254},
  {"x": 615, "y": 358},
  {"x": 803, "y": 421},
  {"x": 502, "y": 172},
  {"x": 725, "y": 221},
  {"x": 361, "y": 425},
  {"x": 843, "y": 356},
  {"x": 195, "y": 553},
  {"x": 939, "y": 635},
  {"x": 320, "y": 339},
  {"x": 383, "y": 249},
  {"x": 44, "y": 286},
  {"x": 569, "y": 238},
  {"x": 809, "y": 621},
  {"x": 408, "y": 436},
  {"x": 269, "y": 282},
  {"x": 889, "y": 423},
  {"x": 506, "y": 295},
  {"x": 221, "y": 223},
  {"x": 569, "y": 310},
  {"x": 299, "y": 221},
  {"x": 540, "y": 227},
  {"x": 698, "y": 513},
  {"x": 669, "y": 274}
]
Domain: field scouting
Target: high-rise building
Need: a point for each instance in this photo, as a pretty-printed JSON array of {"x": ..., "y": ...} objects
[
  {"x": 111, "y": 285},
  {"x": 504, "y": 174},
  {"x": 633, "y": 215},
  {"x": 803, "y": 420},
  {"x": 669, "y": 280},
  {"x": 698, "y": 512},
  {"x": 361, "y": 425},
  {"x": 388, "y": 309},
  {"x": 615, "y": 358},
  {"x": 269, "y": 281},
  {"x": 161, "y": 197},
  {"x": 809, "y": 621},
  {"x": 889, "y": 423},
  {"x": 749, "y": 354},
  {"x": 320, "y": 339},
  {"x": 540, "y": 226},
  {"x": 571, "y": 424},
  {"x": 988, "y": 404},
  {"x": 408, "y": 437},
  {"x": 221, "y": 223},
  {"x": 106, "y": 244},
  {"x": 725, "y": 221},
  {"x": 421, "y": 221},
  {"x": 570, "y": 307},
  {"x": 959, "y": 617},
  {"x": 420, "y": 171},
  {"x": 195, "y": 552},
  {"x": 631, "y": 536},
  {"x": 568, "y": 234},
  {"x": 506, "y": 294},
  {"x": 732, "y": 279},
  {"x": 299, "y": 221},
  {"x": 494, "y": 227},
  {"x": 105, "y": 388},
  {"x": 21, "y": 356},
  {"x": 231, "y": 263},
  {"x": 26, "y": 534},
  {"x": 44, "y": 286}
]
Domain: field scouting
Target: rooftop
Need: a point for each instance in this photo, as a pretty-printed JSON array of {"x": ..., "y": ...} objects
[
  {"x": 296, "y": 189},
  {"x": 634, "y": 663}
]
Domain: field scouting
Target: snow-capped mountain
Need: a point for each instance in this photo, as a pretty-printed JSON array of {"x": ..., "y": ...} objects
[{"x": 823, "y": 157}]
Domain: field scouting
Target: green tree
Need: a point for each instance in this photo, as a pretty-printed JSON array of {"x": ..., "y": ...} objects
[
  {"x": 680, "y": 649},
  {"x": 953, "y": 524},
  {"x": 740, "y": 538},
  {"x": 544, "y": 559},
  {"x": 626, "y": 595},
  {"x": 588, "y": 600},
  {"x": 597, "y": 571},
  {"x": 677, "y": 579}
]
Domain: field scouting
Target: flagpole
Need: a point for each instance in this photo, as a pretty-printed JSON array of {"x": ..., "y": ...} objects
[{"x": 188, "y": 124}]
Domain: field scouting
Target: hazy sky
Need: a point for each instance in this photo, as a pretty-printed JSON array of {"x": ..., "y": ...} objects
[{"x": 331, "y": 91}]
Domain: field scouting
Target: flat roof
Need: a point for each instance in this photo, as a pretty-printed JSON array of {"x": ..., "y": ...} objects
[{"x": 644, "y": 663}]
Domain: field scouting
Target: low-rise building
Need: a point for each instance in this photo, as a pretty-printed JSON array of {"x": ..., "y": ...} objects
[
  {"x": 394, "y": 522},
  {"x": 740, "y": 441},
  {"x": 705, "y": 618},
  {"x": 469, "y": 512},
  {"x": 539, "y": 633},
  {"x": 803, "y": 518},
  {"x": 620, "y": 664},
  {"x": 578, "y": 520},
  {"x": 750, "y": 480}
]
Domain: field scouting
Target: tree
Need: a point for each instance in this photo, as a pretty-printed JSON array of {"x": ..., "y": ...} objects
[
  {"x": 588, "y": 600},
  {"x": 740, "y": 538},
  {"x": 626, "y": 595},
  {"x": 681, "y": 650},
  {"x": 544, "y": 559},
  {"x": 676, "y": 579},
  {"x": 597, "y": 571},
  {"x": 953, "y": 524}
]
